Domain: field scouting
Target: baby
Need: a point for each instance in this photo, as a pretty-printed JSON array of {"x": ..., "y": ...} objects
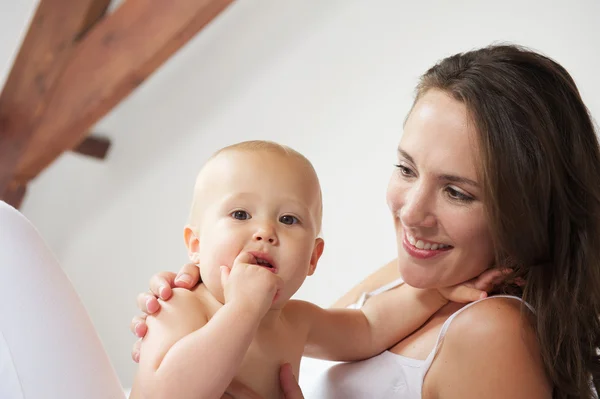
[{"x": 254, "y": 233}]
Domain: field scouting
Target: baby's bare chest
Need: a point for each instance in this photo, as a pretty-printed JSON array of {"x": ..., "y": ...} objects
[{"x": 268, "y": 351}]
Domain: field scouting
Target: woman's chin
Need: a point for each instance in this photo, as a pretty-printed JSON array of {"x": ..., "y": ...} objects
[
  {"x": 418, "y": 276},
  {"x": 417, "y": 280}
]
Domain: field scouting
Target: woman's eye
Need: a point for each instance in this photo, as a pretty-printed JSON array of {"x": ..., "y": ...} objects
[
  {"x": 405, "y": 171},
  {"x": 240, "y": 215},
  {"x": 288, "y": 219},
  {"x": 457, "y": 195}
]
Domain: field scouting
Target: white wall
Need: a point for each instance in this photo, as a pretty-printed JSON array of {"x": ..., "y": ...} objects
[{"x": 332, "y": 79}]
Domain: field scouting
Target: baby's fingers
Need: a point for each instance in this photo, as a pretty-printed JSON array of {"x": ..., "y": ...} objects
[
  {"x": 245, "y": 257},
  {"x": 463, "y": 294},
  {"x": 225, "y": 271},
  {"x": 490, "y": 278}
]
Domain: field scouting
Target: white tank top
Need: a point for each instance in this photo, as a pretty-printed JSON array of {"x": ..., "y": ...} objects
[{"x": 386, "y": 375}]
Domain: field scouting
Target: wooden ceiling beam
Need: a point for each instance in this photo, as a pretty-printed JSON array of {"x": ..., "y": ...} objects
[
  {"x": 95, "y": 13},
  {"x": 93, "y": 146},
  {"x": 14, "y": 194},
  {"x": 110, "y": 61},
  {"x": 46, "y": 49}
]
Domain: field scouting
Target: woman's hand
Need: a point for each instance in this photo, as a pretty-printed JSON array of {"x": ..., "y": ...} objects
[
  {"x": 476, "y": 288},
  {"x": 289, "y": 387},
  {"x": 237, "y": 390},
  {"x": 161, "y": 285}
]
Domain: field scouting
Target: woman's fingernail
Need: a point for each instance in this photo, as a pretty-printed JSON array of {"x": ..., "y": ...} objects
[
  {"x": 161, "y": 291},
  {"x": 148, "y": 303},
  {"x": 135, "y": 328},
  {"x": 184, "y": 278}
]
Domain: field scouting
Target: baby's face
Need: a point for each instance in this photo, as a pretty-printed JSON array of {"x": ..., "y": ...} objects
[{"x": 261, "y": 202}]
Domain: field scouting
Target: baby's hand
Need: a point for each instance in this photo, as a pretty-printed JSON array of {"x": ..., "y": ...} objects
[
  {"x": 250, "y": 285},
  {"x": 476, "y": 288}
]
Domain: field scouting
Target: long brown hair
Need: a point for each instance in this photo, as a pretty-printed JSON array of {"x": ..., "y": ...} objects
[{"x": 540, "y": 170}]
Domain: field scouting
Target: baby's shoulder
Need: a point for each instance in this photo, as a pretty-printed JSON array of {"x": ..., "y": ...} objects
[
  {"x": 297, "y": 312},
  {"x": 185, "y": 304},
  {"x": 188, "y": 298}
]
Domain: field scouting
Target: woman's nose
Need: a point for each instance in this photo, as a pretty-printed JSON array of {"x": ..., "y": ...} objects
[{"x": 417, "y": 210}]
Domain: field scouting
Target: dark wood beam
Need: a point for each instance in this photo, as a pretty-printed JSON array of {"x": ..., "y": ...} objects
[
  {"x": 117, "y": 55},
  {"x": 93, "y": 146},
  {"x": 14, "y": 194},
  {"x": 95, "y": 13},
  {"x": 45, "y": 51}
]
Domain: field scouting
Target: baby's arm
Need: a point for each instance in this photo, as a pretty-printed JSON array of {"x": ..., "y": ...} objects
[
  {"x": 385, "y": 274},
  {"x": 184, "y": 356},
  {"x": 355, "y": 334},
  {"x": 387, "y": 318},
  {"x": 187, "y": 356}
]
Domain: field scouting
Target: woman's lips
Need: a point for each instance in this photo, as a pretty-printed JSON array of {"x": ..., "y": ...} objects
[{"x": 422, "y": 253}]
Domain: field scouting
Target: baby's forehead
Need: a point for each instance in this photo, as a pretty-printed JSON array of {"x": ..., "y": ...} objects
[
  {"x": 235, "y": 169},
  {"x": 266, "y": 162}
]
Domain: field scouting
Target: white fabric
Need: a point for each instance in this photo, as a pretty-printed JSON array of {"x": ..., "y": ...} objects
[
  {"x": 311, "y": 370},
  {"x": 387, "y": 375},
  {"x": 48, "y": 346}
]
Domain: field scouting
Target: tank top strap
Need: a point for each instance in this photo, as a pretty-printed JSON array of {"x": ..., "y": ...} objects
[
  {"x": 446, "y": 325},
  {"x": 366, "y": 295}
]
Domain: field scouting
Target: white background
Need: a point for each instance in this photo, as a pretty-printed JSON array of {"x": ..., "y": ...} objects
[{"x": 331, "y": 78}]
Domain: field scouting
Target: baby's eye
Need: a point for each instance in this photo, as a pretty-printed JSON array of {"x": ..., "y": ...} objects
[
  {"x": 240, "y": 215},
  {"x": 288, "y": 219}
]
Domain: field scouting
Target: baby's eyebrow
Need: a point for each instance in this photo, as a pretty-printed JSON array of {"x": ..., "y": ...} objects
[{"x": 301, "y": 205}]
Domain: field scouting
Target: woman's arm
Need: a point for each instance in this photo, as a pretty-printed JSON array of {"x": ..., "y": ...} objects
[
  {"x": 490, "y": 351},
  {"x": 387, "y": 273}
]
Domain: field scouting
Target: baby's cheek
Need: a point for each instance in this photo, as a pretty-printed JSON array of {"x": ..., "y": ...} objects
[{"x": 220, "y": 251}]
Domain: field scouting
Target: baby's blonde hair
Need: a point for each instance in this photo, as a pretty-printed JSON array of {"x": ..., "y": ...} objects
[{"x": 267, "y": 146}]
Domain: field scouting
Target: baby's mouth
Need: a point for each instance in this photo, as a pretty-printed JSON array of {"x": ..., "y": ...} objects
[{"x": 264, "y": 260}]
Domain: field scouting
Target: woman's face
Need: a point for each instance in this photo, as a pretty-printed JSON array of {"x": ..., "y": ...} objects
[{"x": 435, "y": 197}]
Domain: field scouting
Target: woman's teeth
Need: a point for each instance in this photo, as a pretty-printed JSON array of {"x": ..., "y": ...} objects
[{"x": 422, "y": 245}]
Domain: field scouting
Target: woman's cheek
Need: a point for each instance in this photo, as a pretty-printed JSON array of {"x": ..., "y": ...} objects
[{"x": 393, "y": 195}]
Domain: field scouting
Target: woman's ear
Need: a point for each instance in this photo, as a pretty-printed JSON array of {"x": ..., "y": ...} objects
[
  {"x": 192, "y": 243},
  {"x": 316, "y": 255}
]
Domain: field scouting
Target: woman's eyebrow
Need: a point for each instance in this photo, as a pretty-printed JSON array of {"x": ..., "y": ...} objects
[
  {"x": 458, "y": 179},
  {"x": 445, "y": 177},
  {"x": 405, "y": 154}
]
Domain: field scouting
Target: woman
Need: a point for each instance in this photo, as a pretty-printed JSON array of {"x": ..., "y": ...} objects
[{"x": 499, "y": 163}]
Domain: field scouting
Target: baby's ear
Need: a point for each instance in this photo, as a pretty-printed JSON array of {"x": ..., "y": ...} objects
[
  {"x": 192, "y": 243},
  {"x": 316, "y": 255}
]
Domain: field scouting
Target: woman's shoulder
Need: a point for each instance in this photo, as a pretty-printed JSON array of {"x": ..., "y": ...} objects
[
  {"x": 495, "y": 314},
  {"x": 494, "y": 339},
  {"x": 501, "y": 324}
]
